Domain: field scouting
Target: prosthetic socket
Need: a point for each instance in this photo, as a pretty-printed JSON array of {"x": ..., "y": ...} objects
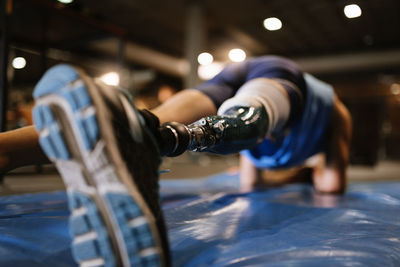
[{"x": 237, "y": 129}]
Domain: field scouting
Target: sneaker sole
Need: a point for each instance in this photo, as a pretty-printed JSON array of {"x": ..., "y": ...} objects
[{"x": 110, "y": 223}]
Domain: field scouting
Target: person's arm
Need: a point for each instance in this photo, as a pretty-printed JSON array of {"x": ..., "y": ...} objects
[
  {"x": 251, "y": 176},
  {"x": 328, "y": 170},
  {"x": 330, "y": 176}
]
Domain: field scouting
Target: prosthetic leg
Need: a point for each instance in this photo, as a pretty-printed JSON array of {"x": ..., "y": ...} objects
[{"x": 239, "y": 128}]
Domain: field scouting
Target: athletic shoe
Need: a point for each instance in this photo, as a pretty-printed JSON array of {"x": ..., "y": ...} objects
[{"x": 109, "y": 162}]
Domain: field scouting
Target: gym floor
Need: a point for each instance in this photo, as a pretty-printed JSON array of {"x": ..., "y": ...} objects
[{"x": 33, "y": 179}]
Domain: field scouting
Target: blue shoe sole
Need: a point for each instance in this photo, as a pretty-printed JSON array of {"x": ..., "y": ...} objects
[{"x": 109, "y": 225}]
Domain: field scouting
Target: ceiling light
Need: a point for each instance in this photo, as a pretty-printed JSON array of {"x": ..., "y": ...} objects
[
  {"x": 19, "y": 63},
  {"x": 272, "y": 24},
  {"x": 65, "y": 1},
  {"x": 352, "y": 11},
  {"x": 111, "y": 78},
  {"x": 205, "y": 58},
  {"x": 395, "y": 89},
  {"x": 237, "y": 55},
  {"x": 207, "y": 72}
]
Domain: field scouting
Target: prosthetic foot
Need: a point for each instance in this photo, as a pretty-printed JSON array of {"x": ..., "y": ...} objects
[{"x": 109, "y": 162}]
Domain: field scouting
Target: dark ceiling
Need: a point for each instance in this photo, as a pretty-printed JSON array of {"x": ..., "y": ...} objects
[
  {"x": 310, "y": 27},
  {"x": 360, "y": 56}
]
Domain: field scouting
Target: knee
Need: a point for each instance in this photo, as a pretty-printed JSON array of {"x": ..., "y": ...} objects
[{"x": 329, "y": 181}]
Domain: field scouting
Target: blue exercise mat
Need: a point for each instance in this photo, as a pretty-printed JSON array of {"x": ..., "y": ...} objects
[{"x": 211, "y": 223}]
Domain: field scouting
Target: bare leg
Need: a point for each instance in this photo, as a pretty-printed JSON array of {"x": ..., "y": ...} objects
[
  {"x": 19, "y": 148},
  {"x": 185, "y": 107}
]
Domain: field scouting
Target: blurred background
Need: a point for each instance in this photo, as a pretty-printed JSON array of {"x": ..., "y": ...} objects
[{"x": 155, "y": 48}]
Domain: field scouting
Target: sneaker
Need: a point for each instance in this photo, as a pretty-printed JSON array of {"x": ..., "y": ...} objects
[{"x": 109, "y": 162}]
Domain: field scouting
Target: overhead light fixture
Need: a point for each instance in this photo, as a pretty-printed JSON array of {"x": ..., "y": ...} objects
[
  {"x": 205, "y": 58},
  {"x": 65, "y": 1},
  {"x": 237, "y": 55},
  {"x": 111, "y": 78},
  {"x": 352, "y": 11},
  {"x": 207, "y": 72},
  {"x": 272, "y": 24},
  {"x": 19, "y": 63},
  {"x": 395, "y": 89}
]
